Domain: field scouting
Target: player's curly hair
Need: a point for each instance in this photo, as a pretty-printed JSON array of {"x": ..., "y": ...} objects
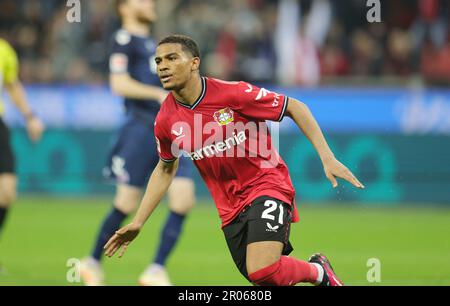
[{"x": 187, "y": 43}]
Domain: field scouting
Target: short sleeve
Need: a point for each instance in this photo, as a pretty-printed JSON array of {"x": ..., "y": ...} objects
[
  {"x": 11, "y": 66},
  {"x": 120, "y": 53},
  {"x": 163, "y": 143},
  {"x": 260, "y": 103}
]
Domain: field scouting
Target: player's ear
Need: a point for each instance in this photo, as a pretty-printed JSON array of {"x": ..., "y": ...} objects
[{"x": 195, "y": 64}]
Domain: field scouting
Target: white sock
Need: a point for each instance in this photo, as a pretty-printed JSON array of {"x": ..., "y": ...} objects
[
  {"x": 156, "y": 268},
  {"x": 93, "y": 262},
  {"x": 319, "y": 274}
]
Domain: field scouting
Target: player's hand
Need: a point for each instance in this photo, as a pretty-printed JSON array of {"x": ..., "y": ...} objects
[
  {"x": 35, "y": 128},
  {"x": 121, "y": 240},
  {"x": 333, "y": 169}
]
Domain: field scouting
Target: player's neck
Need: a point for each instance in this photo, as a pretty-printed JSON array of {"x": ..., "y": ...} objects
[
  {"x": 135, "y": 27},
  {"x": 190, "y": 93}
]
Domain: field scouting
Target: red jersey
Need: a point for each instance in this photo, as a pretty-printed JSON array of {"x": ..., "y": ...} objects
[{"x": 225, "y": 134}]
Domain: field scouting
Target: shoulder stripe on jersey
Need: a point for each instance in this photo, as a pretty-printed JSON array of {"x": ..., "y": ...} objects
[
  {"x": 202, "y": 95},
  {"x": 283, "y": 111}
]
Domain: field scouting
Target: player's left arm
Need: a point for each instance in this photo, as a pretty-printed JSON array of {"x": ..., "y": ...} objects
[
  {"x": 302, "y": 116},
  {"x": 17, "y": 94}
]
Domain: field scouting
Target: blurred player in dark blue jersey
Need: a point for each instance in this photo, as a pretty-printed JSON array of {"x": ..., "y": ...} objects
[{"x": 134, "y": 156}]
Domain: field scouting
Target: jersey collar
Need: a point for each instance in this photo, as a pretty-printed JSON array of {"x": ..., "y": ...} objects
[{"x": 197, "y": 102}]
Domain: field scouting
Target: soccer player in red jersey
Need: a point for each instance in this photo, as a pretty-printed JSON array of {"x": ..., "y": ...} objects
[{"x": 221, "y": 126}]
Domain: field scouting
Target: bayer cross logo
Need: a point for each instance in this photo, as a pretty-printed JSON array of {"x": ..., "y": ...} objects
[{"x": 224, "y": 116}]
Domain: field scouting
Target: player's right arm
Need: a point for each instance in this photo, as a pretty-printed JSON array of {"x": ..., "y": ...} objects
[
  {"x": 158, "y": 184},
  {"x": 122, "y": 84}
]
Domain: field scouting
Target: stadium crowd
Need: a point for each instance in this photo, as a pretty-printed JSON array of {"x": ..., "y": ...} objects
[{"x": 292, "y": 42}]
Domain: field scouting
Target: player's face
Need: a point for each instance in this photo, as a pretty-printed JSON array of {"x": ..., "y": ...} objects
[
  {"x": 142, "y": 10},
  {"x": 175, "y": 66}
]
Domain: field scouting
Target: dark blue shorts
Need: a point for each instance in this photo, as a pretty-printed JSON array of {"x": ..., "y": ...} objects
[{"x": 134, "y": 155}]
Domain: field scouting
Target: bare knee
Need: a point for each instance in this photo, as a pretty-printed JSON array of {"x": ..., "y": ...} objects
[
  {"x": 127, "y": 198},
  {"x": 263, "y": 260},
  {"x": 8, "y": 190},
  {"x": 7, "y": 198},
  {"x": 263, "y": 254},
  {"x": 181, "y": 196}
]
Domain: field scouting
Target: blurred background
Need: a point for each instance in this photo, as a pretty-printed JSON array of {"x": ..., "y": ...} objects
[
  {"x": 324, "y": 53},
  {"x": 306, "y": 43},
  {"x": 381, "y": 92}
]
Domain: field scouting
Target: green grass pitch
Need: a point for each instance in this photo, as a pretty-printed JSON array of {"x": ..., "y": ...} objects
[{"x": 412, "y": 244}]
